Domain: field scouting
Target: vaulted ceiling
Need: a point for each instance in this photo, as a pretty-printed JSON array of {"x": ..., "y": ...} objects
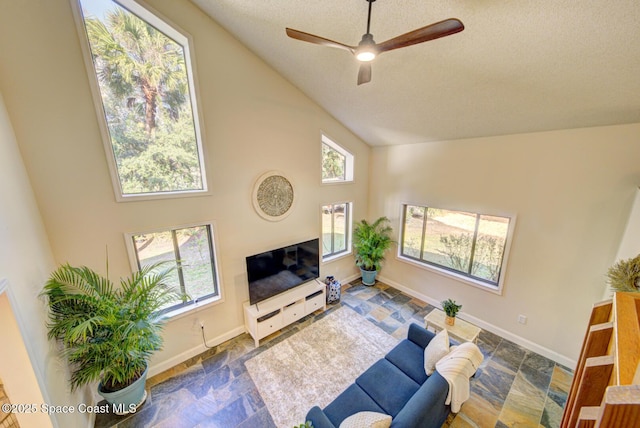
[{"x": 518, "y": 66}]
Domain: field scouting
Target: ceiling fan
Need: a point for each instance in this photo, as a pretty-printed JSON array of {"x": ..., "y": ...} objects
[{"x": 367, "y": 49}]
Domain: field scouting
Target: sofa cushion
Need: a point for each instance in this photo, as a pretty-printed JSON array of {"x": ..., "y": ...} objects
[
  {"x": 388, "y": 386},
  {"x": 351, "y": 401},
  {"x": 367, "y": 420},
  {"x": 426, "y": 408},
  {"x": 437, "y": 348},
  {"x": 409, "y": 357}
]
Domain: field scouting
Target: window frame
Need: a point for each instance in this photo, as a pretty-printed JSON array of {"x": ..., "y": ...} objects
[
  {"x": 349, "y": 168},
  {"x": 348, "y": 232},
  {"x": 450, "y": 272},
  {"x": 184, "y": 39},
  {"x": 191, "y": 305}
]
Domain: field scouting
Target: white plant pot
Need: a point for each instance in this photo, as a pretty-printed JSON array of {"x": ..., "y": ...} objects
[{"x": 127, "y": 400}]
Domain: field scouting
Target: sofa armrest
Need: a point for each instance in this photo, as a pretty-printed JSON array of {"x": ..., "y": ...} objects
[
  {"x": 318, "y": 418},
  {"x": 420, "y": 335}
]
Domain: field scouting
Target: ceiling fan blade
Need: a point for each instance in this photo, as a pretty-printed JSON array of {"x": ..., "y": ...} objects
[
  {"x": 364, "y": 73},
  {"x": 424, "y": 34},
  {"x": 306, "y": 37}
]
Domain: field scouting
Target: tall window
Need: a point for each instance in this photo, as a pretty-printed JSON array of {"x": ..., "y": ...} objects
[
  {"x": 336, "y": 230},
  {"x": 147, "y": 99},
  {"x": 190, "y": 250},
  {"x": 465, "y": 243},
  {"x": 337, "y": 163}
]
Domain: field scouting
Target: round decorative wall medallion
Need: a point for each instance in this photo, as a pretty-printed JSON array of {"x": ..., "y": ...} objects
[{"x": 273, "y": 196}]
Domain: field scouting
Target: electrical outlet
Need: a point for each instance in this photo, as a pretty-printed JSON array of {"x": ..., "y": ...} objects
[
  {"x": 201, "y": 324},
  {"x": 522, "y": 319}
]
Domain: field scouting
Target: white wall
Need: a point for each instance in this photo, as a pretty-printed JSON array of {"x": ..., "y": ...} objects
[
  {"x": 571, "y": 191},
  {"x": 25, "y": 263},
  {"x": 254, "y": 121},
  {"x": 630, "y": 242},
  {"x": 16, "y": 371}
]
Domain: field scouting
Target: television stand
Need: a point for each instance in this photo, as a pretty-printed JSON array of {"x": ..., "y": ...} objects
[{"x": 284, "y": 309}]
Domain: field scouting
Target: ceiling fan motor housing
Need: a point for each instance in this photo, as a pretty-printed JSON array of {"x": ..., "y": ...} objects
[{"x": 367, "y": 49}]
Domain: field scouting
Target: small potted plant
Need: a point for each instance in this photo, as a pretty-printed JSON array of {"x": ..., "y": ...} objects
[
  {"x": 625, "y": 275},
  {"x": 109, "y": 333},
  {"x": 451, "y": 309},
  {"x": 370, "y": 242}
]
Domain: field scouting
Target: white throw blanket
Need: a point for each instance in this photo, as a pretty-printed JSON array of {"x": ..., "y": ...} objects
[{"x": 457, "y": 367}]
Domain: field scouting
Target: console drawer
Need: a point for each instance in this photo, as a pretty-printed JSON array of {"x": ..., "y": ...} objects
[
  {"x": 314, "y": 303},
  {"x": 270, "y": 325},
  {"x": 293, "y": 312}
]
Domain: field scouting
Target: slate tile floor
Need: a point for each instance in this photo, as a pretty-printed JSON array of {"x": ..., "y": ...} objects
[{"x": 514, "y": 387}]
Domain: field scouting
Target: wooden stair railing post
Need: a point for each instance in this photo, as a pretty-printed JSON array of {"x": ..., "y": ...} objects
[
  {"x": 600, "y": 314},
  {"x": 605, "y": 391}
]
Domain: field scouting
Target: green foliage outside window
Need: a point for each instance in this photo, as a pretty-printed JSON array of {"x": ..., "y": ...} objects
[
  {"x": 467, "y": 243},
  {"x": 487, "y": 255},
  {"x": 333, "y": 164},
  {"x": 144, "y": 87},
  {"x": 190, "y": 251},
  {"x": 457, "y": 248},
  {"x": 487, "y": 259},
  {"x": 336, "y": 222}
]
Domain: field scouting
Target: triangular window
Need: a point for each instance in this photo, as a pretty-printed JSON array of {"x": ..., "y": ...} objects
[{"x": 337, "y": 163}]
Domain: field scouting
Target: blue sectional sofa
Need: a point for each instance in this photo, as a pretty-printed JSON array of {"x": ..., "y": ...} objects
[{"x": 396, "y": 385}]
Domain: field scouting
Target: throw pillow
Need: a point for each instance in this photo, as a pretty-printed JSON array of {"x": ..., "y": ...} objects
[
  {"x": 436, "y": 349},
  {"x": 367, "y": 420}
]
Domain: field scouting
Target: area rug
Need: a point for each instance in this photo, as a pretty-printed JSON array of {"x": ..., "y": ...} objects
[{"x": 316, "y": 364}]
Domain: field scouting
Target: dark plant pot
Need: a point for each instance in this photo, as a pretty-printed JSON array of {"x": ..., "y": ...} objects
[
  {"x": 127, "y": 400},
  {"x": 368, "y": 276}
]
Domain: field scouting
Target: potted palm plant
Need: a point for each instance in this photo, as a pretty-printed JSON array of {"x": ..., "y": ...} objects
[
  {"x": 109, "y": 333},
  {"x": 370, "y": 242},
  {"x": 451, "y": 309}
]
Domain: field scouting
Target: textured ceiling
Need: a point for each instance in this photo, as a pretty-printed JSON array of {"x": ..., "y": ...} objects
[{"x": 519, "y": 66}]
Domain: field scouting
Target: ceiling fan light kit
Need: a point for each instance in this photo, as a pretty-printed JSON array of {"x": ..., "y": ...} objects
[{"x": 367, "y": 50}]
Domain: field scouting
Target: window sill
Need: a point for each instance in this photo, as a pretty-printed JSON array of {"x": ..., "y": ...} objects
[
  {"x": 460, "y": 278},
  {"x": 161, "y": 195},
  {"x": 335, "y": 257},
  {"x": 333, "y": 182},
  {"x": 193, "y": 308}
]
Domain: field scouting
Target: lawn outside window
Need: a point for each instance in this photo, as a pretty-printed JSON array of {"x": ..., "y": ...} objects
[
  {"x": 144, "y": 90},
  {"x": 468, "y": 246},
  {"x": 191, "y": 250},
  {"x": 336, "y": 230}
]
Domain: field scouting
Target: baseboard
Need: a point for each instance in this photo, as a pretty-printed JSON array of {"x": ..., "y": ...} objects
[
  {"x": 525, "y": 343},
  {"x": 174, "y": 361},
  {"x": 350, "y": 278}
]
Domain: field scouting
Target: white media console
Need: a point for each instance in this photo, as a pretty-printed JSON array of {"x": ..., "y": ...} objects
[{"x": 279, "y": 311}]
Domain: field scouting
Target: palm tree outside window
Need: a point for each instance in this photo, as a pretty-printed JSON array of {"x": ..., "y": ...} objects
[{"x": 147, "y": 99}]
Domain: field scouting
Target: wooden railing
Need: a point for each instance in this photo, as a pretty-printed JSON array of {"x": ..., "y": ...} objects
[{"x": 605, "y": 392}]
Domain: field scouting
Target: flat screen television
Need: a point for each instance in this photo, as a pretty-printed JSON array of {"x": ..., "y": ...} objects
[{"x": 273, "y": 272}]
